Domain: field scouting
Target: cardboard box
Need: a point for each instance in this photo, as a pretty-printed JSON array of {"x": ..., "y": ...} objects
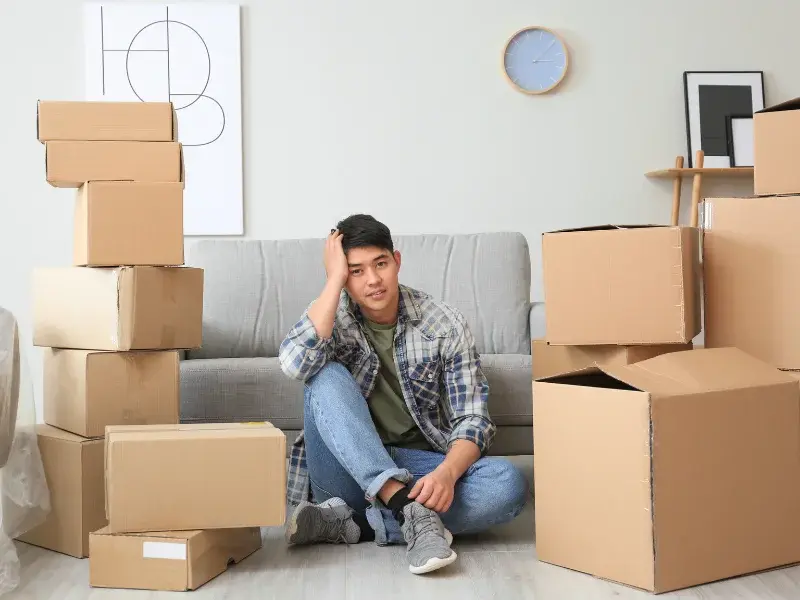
[
  {"x": 751, "y": 260},
  {"x": 71, "y": 164},
  {"x": 208, "y": 476},
  {"x": 127, "y": 308},
  {"x": 776, "y": 146},
  {"x": 172, "y": 561},
  {"x": 672, "y": 472},
  {"x": 85, "y": 390},
  {"x": 128, "y": 223},
  {"x": 73, "y": 467},
  {"x": 550, "y": 360},
  {"x": 106, "y": 121},
  {"x": 622, "y": 285}
]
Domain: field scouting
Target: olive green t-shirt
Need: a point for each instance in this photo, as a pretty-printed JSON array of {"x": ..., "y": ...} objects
[{"x": 390, "y": 414}]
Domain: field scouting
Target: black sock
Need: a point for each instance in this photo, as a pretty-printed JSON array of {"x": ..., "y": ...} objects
[
  {"x": 367, "y": 534},
  {"x": 398, "y": 502}
]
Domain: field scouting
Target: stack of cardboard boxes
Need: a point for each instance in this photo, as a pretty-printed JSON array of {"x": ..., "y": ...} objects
[
  {"x": 656, "y": 465},
  {"x": 112, "y": 325}
]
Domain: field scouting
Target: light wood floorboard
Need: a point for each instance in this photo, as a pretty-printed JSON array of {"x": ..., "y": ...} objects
[{"x": 498, "y": 564}]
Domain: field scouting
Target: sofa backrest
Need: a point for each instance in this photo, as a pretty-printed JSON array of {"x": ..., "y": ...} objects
[{"x": 255, "y": 291}]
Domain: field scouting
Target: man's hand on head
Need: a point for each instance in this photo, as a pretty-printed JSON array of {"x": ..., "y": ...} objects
[{"x": 335, "y": 260}]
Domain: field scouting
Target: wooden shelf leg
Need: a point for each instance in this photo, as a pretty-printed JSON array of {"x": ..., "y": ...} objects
[
  {"x": 697, "y": 183},
  {"x": 676, "y": 193}
]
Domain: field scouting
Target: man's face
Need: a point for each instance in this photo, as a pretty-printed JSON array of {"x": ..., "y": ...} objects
[{"x": 372, "y": 283}]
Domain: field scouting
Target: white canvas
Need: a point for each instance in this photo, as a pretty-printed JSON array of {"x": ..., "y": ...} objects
[
  {"x": 189, "y": 54},
  {"x": 743, "y": 142}
]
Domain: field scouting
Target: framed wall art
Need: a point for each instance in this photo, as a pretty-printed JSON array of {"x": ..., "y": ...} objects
[{"x": 718, "y": 104}]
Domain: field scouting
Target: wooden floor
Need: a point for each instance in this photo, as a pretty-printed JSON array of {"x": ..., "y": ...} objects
[{"x": 499, "y": 564}]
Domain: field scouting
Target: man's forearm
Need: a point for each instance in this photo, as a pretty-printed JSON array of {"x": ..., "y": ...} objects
[
  {"x": 461, "y": 456},
  {"x": 322, "y": 312}
]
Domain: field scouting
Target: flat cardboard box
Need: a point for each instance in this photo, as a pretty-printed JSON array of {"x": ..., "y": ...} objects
[
  {"x": 73, "y": 466},
  {"x": 126, "y": 308},
  {"x": 751, "y": 260},
  {"x": 672, "y": 472},
  {"x": 106, "y": 121},
  {"x": 210, "y": 476},
  {"x": 71, "y": 164},
  {"x": 128, "y": 223},
  {"x": 776, "y": 146},
  {"x": 85, "y": 390},
  {"x": 170, "y": 561},
  {"x": 622, "y": 285},
  {"x": 550, "y": 360}
]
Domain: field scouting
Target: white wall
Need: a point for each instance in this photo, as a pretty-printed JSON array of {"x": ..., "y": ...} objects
[{"x": 401, "y": 110}]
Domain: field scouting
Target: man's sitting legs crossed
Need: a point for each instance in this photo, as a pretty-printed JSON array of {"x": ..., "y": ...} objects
[{"x": 396, "y": 420}]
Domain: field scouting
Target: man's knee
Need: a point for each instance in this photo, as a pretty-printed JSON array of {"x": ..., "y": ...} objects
[
  {"x": 333, "y": 375},
  {"x": 513, "y": 490},
  {"x": 509, "y": 490}
]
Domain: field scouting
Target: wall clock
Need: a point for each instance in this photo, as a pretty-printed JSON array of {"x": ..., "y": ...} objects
[{"x": 535, "y": 60}]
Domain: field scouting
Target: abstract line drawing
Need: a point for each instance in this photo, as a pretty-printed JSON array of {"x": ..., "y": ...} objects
[{"x": 188, "y": 54}]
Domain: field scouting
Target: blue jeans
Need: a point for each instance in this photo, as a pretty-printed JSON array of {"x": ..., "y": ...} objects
[{"x": 347, "y": 459}]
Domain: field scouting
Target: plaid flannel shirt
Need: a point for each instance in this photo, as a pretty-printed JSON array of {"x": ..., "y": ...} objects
[{"x": 439, "y": 368}]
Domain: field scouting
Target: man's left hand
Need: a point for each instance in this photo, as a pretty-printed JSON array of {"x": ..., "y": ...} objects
[{"x": 436, "y": 490}]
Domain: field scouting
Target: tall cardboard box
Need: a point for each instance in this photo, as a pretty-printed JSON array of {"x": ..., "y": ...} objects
[
  {"x": 126, "y": 308},
  {"x": 128, "y": 223},
  {"x": 85, "y": 390},
  {"x": 622, "y": 285},
  {"x": 106, "y": 121},
  {"x": 73, "y": 163},
  {"x": 73, "y": 466},
  {"x": 776, "y": 146},
  {"x": 550, "y": 360},
  {"x": 171, "y": 560},
  {"x": 672, "y": 472},
  {"x": 751, "y": 261},
  {"x": 211, "y": 476}
]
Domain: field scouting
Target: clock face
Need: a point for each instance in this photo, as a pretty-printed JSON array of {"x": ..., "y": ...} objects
[{"x": 535, "y": 60}]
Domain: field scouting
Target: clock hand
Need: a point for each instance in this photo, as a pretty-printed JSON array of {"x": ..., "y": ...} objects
[{"x": 545, "y": 52}]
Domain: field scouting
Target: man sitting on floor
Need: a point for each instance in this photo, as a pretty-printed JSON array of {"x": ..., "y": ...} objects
[{"x": 396, "y": 422}]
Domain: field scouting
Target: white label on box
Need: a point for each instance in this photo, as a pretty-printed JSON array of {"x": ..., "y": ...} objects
[{"x": 167, "y": 550}]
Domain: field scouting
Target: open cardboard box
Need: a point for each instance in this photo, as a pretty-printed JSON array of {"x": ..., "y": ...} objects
[{"x": 668, "y": 473}]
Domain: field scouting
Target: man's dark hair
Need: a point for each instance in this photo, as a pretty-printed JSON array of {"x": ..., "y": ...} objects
[{"x": 363, "y": 231}]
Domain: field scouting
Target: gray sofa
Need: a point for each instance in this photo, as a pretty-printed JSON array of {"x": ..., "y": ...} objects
[{"x": 256, "y": 290}]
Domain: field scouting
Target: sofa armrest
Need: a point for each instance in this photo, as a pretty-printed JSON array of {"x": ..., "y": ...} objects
[{"x": 536, "y": 320}]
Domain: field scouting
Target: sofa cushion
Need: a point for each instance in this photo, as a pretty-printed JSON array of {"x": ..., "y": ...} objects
[
  {"x": 256, "y": 290},
  {"x": 255, "y": 389}
]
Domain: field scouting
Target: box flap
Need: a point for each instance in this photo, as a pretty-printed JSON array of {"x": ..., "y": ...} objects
[
  {"x": 604, "y": 228},
  {"x": 188, "y": 427},
  {"x": 792, "y": 104},
  {"x": 175, "y": 535},
  {"x": 59, "y": 434},
  {"x": 695, "y": 371}
]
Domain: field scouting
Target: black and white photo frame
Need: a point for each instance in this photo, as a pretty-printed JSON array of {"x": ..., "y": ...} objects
[{"x": 718, "y": 107}]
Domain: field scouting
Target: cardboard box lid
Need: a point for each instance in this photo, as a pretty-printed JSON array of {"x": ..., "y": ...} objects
[
  {"x": 792, "y": 104},
  {"x": 65, "y": 436},
  {"x": 607, "y": 227},
  {"x": 697, "y": 371},
  {"x": 689, "y": 372},
  {"x": 255, "y": 425}
]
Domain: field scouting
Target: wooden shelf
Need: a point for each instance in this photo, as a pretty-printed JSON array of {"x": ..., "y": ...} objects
[{"x": 729, "y": 172}]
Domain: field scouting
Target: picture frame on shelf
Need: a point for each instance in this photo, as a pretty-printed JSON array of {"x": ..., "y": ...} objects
[
  {"x": 717, "y": 105},
  {"x": 741, "y": 141}
]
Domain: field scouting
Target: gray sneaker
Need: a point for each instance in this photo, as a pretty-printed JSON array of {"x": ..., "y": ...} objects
[
  {"x": 330, "y": 521},
  {"x": 428, "y": 540}
]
